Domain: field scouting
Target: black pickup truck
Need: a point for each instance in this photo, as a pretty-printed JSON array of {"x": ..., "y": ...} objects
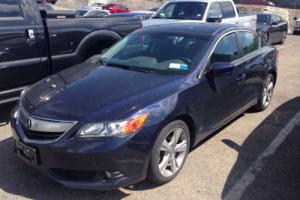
[{"x": 33, "y": 46}]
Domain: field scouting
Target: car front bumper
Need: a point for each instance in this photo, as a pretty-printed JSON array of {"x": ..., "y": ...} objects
[
  {"x": 297, "y": 29},
  {"x": 98, "y": 163}
]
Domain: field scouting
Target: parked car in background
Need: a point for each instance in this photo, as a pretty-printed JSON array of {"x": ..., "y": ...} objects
[
  {"x": 33, "y": 46},
  {"x": 116, "y": 8},
  {"x": 144, "y": 15},
  {"x": 216, "y": 11},
  {"x": 272, "y": 28},
  {"x": 296, "y": 25},
  {"x": 257, "y": 2},
  {"x": 150, "y": 98},
  {"x": 92, "y": 10},
  {"x": 85, "y": 12},
  {"x": 44, "y": 5}
]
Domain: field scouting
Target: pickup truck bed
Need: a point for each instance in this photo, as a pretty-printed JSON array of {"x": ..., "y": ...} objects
[{"x": 33, "y": 46}]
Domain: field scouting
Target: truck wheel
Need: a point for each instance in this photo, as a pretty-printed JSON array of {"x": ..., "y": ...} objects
[
  {"x": 266, "y": 94},
  {"x": 169, "y": 152}
]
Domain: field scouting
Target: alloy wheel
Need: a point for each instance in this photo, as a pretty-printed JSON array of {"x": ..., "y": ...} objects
[
  {"x": 173, "y": 152},
  {"x": 268, "y": 92}
]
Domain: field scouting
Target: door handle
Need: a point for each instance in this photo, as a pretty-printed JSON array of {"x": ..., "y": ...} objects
[
  {"x": 241, "y": 77},
  {"x": 30, "y": 36}
]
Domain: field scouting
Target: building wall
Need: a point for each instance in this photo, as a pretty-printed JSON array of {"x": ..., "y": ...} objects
[{"x": 286, "y": 14}]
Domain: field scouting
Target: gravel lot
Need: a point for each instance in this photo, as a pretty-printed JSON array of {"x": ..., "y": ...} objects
[{"x": 216, "y": 169}]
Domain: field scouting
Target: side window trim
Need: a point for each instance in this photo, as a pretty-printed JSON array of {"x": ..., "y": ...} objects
[
  {"x": 206, "y": 65},
  {"x": 242, "y": 57},
  {"x": 236, "y": 38}
]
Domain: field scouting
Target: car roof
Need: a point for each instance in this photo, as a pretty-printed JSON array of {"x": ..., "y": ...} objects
[{"x": 195, "y": 28}]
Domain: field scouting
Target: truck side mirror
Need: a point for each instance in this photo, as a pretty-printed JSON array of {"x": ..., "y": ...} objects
[{"x": 214, "y": 18}]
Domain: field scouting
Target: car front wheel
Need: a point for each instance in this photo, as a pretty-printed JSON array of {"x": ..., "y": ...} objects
[{"x": 169, "y": 152}]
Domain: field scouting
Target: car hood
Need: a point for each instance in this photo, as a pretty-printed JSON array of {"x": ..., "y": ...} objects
[{"x": 87, "y": 89}]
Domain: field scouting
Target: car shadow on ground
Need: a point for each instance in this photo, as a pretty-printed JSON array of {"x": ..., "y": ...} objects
[{"x": 279, "y": 177}]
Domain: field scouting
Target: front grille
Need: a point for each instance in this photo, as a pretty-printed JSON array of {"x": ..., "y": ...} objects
[
  {"x": 36, "y": 135},
  {"x": 36, "y": 128}
]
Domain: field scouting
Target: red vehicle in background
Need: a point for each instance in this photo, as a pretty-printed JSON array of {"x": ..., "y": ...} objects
[
  {"x": 116, "y": 8},
  {"x": 257, "y": 2}
]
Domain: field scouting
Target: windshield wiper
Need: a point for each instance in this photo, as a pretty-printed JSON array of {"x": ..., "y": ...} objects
[{"x": 128, "y": 67}]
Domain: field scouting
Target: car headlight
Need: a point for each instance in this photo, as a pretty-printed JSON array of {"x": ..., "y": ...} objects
[{"x": 119, "y": 129}]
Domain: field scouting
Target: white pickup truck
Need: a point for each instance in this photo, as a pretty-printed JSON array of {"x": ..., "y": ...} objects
[{"x": 222, "y": 11}]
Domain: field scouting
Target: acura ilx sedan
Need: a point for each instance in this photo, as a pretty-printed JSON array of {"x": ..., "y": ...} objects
[{"x": 137, "y": 111}]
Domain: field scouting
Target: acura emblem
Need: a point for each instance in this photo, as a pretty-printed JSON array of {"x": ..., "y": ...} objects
[{"x": 28, "y": 123}]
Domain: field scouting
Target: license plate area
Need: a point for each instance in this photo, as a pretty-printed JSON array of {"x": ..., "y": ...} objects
[{"x": 26, "y": 153}]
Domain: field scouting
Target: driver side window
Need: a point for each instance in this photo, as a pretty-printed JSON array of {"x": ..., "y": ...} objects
[
  {"x": 215, "y": 10},
  {"x": 168, "y": 11},
  {"x": 226, "y": 50}
]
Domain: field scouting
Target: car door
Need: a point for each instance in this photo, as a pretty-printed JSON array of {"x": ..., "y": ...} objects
[
  {"x": 274, "y": 30},
  {"x": 253, "y": 65},
  {"x": 281, "y": 28},
  {"x": 223, "y": 96},
  {"x": 20, "y": 62}
]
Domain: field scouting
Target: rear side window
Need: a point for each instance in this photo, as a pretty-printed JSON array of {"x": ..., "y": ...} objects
[
  {"x": 10, "y": 8},
  {"x": 226, "y": 50},
  {"x": 227, "y": 9},
  {"x": 214, "y": 10},
  {"x": 249, "y": 42}
]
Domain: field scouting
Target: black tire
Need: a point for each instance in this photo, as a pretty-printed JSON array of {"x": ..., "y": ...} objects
[
  {"x": 154, "y": 173},
  {"x": 261, "y": 106}
]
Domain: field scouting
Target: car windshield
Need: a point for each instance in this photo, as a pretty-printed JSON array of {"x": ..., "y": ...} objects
[
  {"x": 182, "y": 10},
  {"x": 157, "y": 52},
  {"x": 263, "y": 19}
]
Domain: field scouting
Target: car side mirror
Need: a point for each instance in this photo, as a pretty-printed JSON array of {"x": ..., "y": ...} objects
[
  {"x": 214, "y": 18},
  {"x": 221, "y": 69},
  {"x": 295, "y": 18},
  {"x": 274, "y": 24}
]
